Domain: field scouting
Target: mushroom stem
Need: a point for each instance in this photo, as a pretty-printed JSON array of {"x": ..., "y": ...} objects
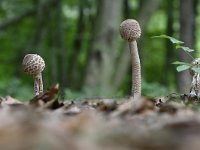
[
  {"x": 38, "y": 84},
  {"x": 195, "y": 87},
  {"x": 136, "y": 69}
]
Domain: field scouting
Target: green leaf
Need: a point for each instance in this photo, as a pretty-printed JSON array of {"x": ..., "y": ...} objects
[
  {"x": 178, "y": 46},
  {"x": 173, "y": 40},
  {"x": 181, "y": 63},
  {"x": 196, "y": 69},
  {"x": 186, "y": 49},
  {"x": 182, "y": 68}
]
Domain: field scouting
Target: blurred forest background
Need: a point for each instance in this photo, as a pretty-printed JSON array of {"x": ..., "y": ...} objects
[{"x": 81, "y": 44}]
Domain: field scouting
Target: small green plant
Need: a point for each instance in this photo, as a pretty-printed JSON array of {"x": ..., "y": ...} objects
[{"x": 181, "y": 66}]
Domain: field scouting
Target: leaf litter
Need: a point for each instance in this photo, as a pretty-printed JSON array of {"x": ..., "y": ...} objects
[{"x": 140, "y": 123}]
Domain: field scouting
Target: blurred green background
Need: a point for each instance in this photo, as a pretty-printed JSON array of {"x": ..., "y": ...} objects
[{"x": 80, "y": 43}]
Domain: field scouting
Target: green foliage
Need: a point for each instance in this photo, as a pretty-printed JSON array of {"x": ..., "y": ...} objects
[
  {"x": 154, "y": 89},
  {"x": 186, "y": 49},
  {"x": 70, "y": 94},
  {"x": 173, "y": 40},
  {"x": 182, "y": 66},
  {"x": 15, "y": 88}
]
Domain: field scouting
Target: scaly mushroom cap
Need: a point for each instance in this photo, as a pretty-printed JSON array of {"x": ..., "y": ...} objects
[
  {"x": 197, "y": 63},
  {"x": 130, "y": 30},
  {"x": 33, "y": 64}
]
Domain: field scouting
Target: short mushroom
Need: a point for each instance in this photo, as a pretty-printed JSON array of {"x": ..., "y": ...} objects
[
  {"x": 130, "y": 30},
  {"x": 195, "y": 86},
  {"x": 33, "y": 64}
]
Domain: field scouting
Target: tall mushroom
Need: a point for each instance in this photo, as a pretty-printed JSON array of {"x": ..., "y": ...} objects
[
  {"x": 195, "y": 86},
  {"x": 130, "y": 30},
  {"x": 33, "y": 64}
]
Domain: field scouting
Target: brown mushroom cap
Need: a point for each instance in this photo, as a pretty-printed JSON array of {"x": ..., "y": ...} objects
[
  {"x": 197, "y": 63},
  {"x": 33, "y": 64},
  {"x": 130, "y": 30}
]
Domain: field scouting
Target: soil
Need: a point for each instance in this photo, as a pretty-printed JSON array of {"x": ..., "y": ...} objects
[{"x": 139, "y": 123}]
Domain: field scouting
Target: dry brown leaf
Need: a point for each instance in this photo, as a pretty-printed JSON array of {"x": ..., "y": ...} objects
[
  {"x": 45, "y": 97},
  {"x": 137, "y": 105}
]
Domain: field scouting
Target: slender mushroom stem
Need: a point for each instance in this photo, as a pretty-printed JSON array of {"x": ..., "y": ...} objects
[
  {"x": 136, "y": 69},
  {"x": 38, "y": 84},
  {"x": 195, "y": 85}
]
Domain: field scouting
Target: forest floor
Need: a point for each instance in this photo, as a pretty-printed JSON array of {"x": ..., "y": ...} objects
[{"x": 44, "y": 123}]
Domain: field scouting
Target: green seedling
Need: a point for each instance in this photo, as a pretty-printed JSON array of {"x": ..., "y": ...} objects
[
  {"x": 194, "y": 66},
  {"x": 181, "y": 66}
]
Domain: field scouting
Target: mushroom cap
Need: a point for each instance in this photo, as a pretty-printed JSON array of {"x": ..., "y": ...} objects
[
  {"x": 130, "y": 30},
  {"x": 197, "y": 63},
  {"x": 33, "y": 64}
]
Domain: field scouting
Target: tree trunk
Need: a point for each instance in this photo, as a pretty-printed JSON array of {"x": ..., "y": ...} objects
[
  {"x": 59, "y": 44},
  {"x": 170, "y": 50},
  {"x": 56, "y": 51},
  {"x": 74, "y": 67},
  {"x": 187, "y": 22},
  {"x": 42, "y": 15},
  {"x": 84, "y": 67},
  {"x": 101, "y": 65},
  {"x": 126, "y": 9}
]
